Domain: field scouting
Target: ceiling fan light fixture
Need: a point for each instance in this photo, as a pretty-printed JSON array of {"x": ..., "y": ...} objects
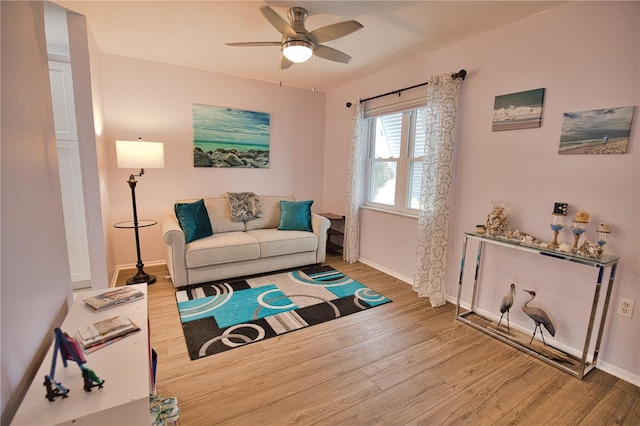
[{"x": 297, "y": 51}]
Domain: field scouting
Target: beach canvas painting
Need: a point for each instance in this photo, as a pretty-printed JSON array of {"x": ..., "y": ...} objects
[
  {"x": 522, "y": 110},
  {"x": 600, "y": 131},
  {"x": 226, "y": 137}
]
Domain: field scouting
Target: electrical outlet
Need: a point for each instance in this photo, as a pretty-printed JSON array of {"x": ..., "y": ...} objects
[{"x": 625, "y": 307}]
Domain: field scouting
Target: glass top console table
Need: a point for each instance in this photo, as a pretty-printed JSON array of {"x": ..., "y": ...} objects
[
  {"x": 129, "y": 224},
  {"x": 576, "y": 366},
  {"x": 141, "y": 276}
]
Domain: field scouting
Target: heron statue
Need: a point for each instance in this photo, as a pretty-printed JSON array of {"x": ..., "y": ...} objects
[
  {"x": 539, "y": 316},
  {"x": 506, "y": 304}
]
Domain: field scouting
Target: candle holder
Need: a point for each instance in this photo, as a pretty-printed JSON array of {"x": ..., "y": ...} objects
[
  {"x": 557, "y": 225},
  {"x": 580, "y": 222},
  {"x": 603, "y": 230},
  {"x": 578, "y": 228},
  {"x": 558, "y": 218}
]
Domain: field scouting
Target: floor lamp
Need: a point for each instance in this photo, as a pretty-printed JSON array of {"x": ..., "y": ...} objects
[{"x": 139, "y": 155}]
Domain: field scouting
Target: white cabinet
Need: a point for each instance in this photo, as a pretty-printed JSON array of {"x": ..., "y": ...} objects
[
  {"x": 64, "y": 113},
  {"x": 123, "y": 365},
  {"x": 70, "y": 173}
]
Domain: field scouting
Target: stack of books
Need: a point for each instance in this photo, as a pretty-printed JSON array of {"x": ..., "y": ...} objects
[{"x": 102, "y": 333}]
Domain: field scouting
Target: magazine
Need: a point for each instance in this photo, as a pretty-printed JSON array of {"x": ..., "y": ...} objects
[
  {"x": 112, "y": 298},
  {"x": 105, "y": 331},
  {"x": 97, "y": 346}
]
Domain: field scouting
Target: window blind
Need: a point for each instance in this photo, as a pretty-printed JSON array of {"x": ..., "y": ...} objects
[{"x": 409, "y": 99}]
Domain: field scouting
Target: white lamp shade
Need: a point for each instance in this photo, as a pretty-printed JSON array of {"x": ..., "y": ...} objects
[
  {"x": 140, "y": 154},
  {"x": 297, "y": 51}
]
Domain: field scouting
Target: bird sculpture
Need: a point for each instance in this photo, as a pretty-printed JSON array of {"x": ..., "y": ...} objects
[
  {"x": 539, "y": 316},
  {"x": 506, "y": 304}
]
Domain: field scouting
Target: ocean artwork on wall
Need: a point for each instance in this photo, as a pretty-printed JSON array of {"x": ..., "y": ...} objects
[
  {"x": 599, "y": 131},
  {"x": 522, "y": 110},
  {"x": 226, "y": 137}
]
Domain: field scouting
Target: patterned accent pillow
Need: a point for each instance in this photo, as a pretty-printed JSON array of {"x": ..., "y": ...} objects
[{"x": 244, "y": 206}]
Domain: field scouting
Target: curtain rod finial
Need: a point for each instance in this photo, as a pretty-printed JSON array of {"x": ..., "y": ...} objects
[{"x": 461, "y": 74}]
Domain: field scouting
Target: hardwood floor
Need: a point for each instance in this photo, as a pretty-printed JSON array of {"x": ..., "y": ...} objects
[{"x": 401, "y": 363}]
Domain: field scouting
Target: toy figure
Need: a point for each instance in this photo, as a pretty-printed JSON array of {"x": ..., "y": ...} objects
[{"x": 69, "y": 350}]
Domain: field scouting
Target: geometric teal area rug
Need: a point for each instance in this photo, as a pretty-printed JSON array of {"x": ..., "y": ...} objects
[{"x": 219, "y": 316}]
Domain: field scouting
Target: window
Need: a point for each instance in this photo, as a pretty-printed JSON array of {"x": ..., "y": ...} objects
[{"x": 394, "y": 167}]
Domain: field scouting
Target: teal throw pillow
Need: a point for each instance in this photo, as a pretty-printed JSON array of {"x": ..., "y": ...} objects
[
  {"x": 295, "y": 215},
  {"x": 194, "y": 220}
]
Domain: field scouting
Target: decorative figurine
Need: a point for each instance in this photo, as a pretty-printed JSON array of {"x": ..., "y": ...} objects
[
  {"x": 539, "y": 316},
  {"x": 579, "y": 226},
  {"x": 557, "y": 222},
  {"x": 69, "y": 350},
  {"x": 506, "y": 304},
  {"x": 91, "y": 379}
]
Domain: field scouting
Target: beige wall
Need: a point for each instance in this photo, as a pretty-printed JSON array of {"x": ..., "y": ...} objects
[
  {"x": 153, "y": 101},
  {"x": 586, "y": 56},
  {"x": 89, "y": 117},
  {"x": 35, "y": 282}
]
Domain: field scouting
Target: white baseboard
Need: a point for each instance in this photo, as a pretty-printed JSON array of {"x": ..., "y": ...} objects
[
  {"x": 386, "y": 271},
  {"x": 116, "y": 272},
  {"x": 619, "y": 373},
  {"x": 627, "y": 376}
]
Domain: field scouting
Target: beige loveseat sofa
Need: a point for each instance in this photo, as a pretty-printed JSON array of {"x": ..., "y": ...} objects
[{"x": 241, "y": 248}]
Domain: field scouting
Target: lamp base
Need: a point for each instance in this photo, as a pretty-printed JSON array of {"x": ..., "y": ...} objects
[{"x": 141, "y": 279}]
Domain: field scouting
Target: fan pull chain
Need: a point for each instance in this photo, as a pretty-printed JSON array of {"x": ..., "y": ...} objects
[{"x": 313, "y": 89}]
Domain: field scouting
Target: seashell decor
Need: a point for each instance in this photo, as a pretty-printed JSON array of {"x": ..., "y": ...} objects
[
  {"x": 590, "y": 249},
  {"x": 497, "y": 219}
]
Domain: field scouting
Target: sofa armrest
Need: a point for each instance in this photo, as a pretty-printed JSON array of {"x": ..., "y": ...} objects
[
  {"x": 175, "y": 250},
  {"x": 320, "y": 226}
]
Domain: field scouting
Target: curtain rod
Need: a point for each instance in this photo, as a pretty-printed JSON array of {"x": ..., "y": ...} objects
[{"x": 460, "y": 74}]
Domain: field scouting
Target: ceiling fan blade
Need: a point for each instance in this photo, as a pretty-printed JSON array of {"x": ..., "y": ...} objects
[
  {"x": 277, "y": 21},
  {"x": 331, "y": 54},
  {"x": 334, "y": 31},
  {"x": 284, "y": 62},
  {"x": 256, "y": 43}
]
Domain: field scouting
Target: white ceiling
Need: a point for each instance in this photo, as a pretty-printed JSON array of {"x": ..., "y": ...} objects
[{"x": 194, "y": 33}]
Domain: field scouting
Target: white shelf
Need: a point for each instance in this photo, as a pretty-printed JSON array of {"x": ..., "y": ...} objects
[{"x": 123, "y": 365}]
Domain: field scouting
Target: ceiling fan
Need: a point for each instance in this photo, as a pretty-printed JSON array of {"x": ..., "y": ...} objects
[{"x": 298, "y": 44}]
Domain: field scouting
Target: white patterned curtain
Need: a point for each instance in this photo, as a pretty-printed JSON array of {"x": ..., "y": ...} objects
[
  {"x": 436, "y": 193},
  {"x": 355, "y": 184}
]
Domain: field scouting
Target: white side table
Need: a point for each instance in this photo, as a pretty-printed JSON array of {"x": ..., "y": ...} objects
[{"x": 123, "y": 365}]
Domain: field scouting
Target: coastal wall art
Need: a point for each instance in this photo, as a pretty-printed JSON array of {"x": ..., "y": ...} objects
[
  {"x": 227, "y": 137},
  {"x": 522, "y": 110},
  {"x": 599, "y": 131}
]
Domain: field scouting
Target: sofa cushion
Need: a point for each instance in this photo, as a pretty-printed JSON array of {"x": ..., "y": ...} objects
[
  {"x": 277, "y": 243},
  {"x": 220, "y": 215},
  {"x": 193, "y": 220},
  {"x": 244, "y": 206},
  {"x": 222, "y": 248},
  {"x": 270, "y": 205},
  {"x": 295, "y": 215}
]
